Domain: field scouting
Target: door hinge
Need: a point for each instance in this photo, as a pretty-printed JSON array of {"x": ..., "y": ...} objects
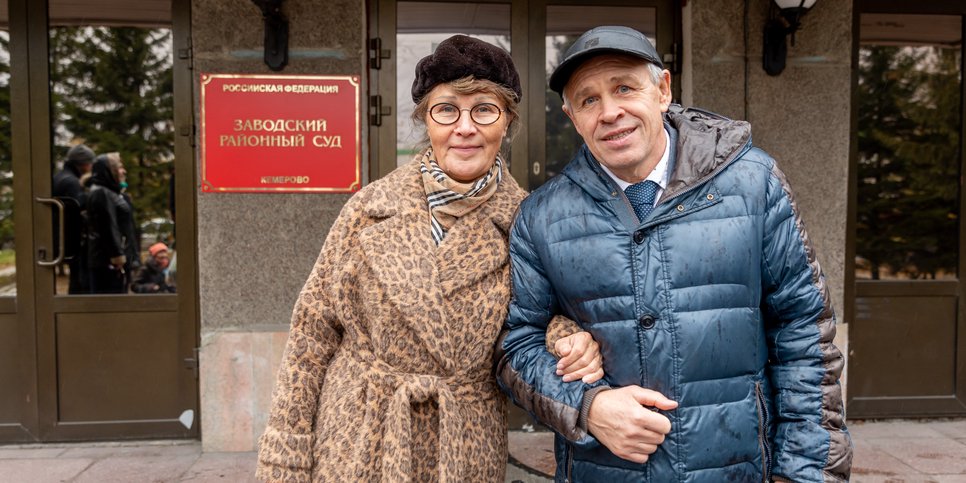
[
  {"x": 377, "y": 110},
  {"x": 185, "y": 54},
  {"x": 192, "y": 362},
  {"x": 377, "y": 53},
  {"x": 189, "y": 132}
]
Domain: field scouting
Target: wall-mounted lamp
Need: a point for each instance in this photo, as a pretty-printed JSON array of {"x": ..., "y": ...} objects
[
  {"x": 782, "y": 21},
  {"x": 276, "y": 33}
]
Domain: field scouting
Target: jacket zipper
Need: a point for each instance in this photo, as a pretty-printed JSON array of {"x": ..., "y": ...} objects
[
  {"x": 762, "y": 431},
  {"x": 570, "y": 464}
]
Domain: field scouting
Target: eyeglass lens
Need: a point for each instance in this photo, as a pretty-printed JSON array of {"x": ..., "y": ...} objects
[{"x": 446, "y": 113}]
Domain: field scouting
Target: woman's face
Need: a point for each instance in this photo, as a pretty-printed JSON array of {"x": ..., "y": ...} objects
[{"x": 465, "y": 150}]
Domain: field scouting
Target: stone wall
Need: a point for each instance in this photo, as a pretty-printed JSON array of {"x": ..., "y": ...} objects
[
  {"x": 256, "y": 250},
  {"x": 801, "y": 117}
]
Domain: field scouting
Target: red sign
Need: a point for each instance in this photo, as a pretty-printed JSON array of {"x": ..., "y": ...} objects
[{"x": 272, "y": 133}]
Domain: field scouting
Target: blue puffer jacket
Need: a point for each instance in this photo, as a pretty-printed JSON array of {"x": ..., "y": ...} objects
[{"x": 714, "y": 300}]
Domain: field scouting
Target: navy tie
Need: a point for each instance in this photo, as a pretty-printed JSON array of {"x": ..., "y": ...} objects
[{"x": 641, "y": 196}]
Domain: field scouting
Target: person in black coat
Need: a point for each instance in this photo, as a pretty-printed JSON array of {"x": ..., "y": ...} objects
[
  {"x": 111, "y": 231},
  {"x": 67, "y": 188},
  {"x": 153, "y": 275}
]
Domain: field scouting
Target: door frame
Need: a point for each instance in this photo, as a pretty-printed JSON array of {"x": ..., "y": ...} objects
[
  {"x": 528, "y": 24},
  {"x": 35, "y": 306},
  {"x": 905, "y": 406}
]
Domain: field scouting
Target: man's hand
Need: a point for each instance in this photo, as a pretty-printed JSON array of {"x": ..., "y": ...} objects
[
  {"x": 621, "y": 421},
  {"x": 579, "y": 358}
]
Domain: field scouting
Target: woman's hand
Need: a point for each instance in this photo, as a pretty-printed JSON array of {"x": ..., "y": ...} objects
[{"x": 579, "y": 358}]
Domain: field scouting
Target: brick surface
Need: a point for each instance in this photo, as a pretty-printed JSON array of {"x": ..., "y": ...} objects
[
  {"x": 222, "y": 467},
  {"x": 145, "y": 469},
  {"x": 931, "y": 456},
  {"x": 885, "y": 452},
  {"x": 41, "y": 470},
  {"x": 870, "y": 463},
  {"x": 533, "y": 451}
]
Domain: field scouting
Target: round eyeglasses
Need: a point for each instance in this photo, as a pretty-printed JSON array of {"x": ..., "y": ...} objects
[{"x": 483, "y": 114}]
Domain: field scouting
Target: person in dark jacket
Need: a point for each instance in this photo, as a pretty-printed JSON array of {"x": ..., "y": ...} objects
[
  {"x": 67, "y": 188},
  {"x": 111, "y": 226},
  {"x": 153, "y": 275},
  {"x": 678, "y": 245}
]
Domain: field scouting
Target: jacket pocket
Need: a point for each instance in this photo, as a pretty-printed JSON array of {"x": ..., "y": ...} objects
[{"x": 763, "y": 431}]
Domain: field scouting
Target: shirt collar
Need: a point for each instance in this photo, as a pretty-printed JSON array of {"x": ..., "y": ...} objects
[{"x": 657, "y": 175}]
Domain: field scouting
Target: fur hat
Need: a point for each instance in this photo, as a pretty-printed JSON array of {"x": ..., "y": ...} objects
[
  {"x": 461, "y": 56},
  {"x": 80, "y": 154},
  {"x": 157, "y": 248}
]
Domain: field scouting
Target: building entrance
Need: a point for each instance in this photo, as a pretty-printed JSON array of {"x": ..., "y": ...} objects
[
  {"x": 98, "y": 301},
  {"x": 908, "y": 336}
]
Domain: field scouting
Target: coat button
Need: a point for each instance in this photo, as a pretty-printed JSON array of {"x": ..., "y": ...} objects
[
  {"x": 647, "y": 321},
  {"x": 639, "y": 237}
]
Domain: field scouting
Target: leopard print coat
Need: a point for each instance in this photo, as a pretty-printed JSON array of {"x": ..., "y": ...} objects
[{"x": 387, "y": 374}]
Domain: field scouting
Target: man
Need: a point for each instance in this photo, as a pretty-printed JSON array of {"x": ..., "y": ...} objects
[
  {"x": 153, "y": 275},
  {"x": 67, "y": 188},
  {"x": 677, "y": 244}
]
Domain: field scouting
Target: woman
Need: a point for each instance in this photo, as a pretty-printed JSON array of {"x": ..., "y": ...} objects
[
  {"x": 110, "y": 219},
  {"x": 388, "y": 370}
]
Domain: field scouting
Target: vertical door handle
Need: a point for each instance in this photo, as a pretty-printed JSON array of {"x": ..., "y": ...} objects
[{"x": 41, "y": 255}]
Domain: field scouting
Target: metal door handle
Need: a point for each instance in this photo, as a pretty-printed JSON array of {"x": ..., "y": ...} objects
[{"x": 60, "y": 230}]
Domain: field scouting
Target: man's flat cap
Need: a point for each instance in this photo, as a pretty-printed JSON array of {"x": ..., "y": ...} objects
[
  {"x": 606, "y": 39},
  {"x": 461, "y": 56}
]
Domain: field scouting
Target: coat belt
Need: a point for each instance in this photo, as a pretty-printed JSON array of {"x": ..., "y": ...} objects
[{"x": 407, "y": 388}]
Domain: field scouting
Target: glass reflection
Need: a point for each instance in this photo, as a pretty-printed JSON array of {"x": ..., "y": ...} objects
[
  {"x": 111, "y": 92},
  {"x": 421, "y": 26},
  {"x": 8, "y": 266},
  {"x": 909, "y": 126},
  {"x": 564, "y": 25}
]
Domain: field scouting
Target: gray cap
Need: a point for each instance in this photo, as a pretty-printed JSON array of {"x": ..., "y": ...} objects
[
  {"x": 607, "y": 39},
  {"x": 80, "y": 154}
]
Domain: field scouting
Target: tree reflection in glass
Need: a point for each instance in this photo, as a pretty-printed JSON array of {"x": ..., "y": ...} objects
[{"x": 909, "y": 128}]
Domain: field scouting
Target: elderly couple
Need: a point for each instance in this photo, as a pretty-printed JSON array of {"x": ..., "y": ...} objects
[{"x": 657, "y": 304}]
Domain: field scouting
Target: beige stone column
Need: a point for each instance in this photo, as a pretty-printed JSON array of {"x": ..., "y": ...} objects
[{"x": 256, "y": 250}]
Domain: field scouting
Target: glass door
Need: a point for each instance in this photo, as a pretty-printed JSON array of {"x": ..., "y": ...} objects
[
  {"x": 908, "y": 338},
  {"x": 535, "y": 32},
  {"x": 108, "y": 304}
]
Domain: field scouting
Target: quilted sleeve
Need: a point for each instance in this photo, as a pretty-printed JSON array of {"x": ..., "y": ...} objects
[
  {"x": 285, "y": 449},
  {"x": 811, "y": 442},
  {"x": 526, "y": 370}
]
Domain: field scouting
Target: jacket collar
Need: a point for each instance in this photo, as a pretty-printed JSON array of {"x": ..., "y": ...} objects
[{"x": 707, "y": 143}]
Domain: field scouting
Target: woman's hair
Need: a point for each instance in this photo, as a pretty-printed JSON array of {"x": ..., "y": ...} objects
[{"x": 471, "y": 85}]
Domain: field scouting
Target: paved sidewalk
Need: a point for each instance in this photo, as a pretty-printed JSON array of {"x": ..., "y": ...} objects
[{"x": 886, "y": 452}]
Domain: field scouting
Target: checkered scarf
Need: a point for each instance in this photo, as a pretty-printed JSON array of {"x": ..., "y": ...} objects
[{"x": 449, "y": 199}]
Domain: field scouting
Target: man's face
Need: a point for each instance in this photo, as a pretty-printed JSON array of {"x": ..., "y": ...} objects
[{"x": 617, "y": 109}]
